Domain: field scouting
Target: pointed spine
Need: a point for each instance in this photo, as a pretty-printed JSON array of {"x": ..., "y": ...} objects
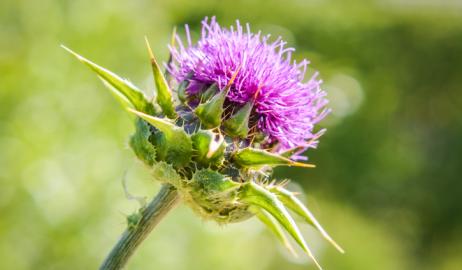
[
  {"x": 294, "y": 204},
  {"x": 256, "y": 158},
  {"x": 164, "y": 94},
  {"x": 272, "y": 224},
  {"x": 260, "y": 197},
  {"x": 289, "y": 153},
  {"x": 124, "y": 90}
]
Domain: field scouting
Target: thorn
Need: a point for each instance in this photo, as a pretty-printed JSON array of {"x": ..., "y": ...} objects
[
  {"x": 272, "y": 224},
  {"x": 289, "y": 199},
  {"x": 303, "y": 165},
  {"x": 268, "y": 201},
  {"x": 151, "y": 54},
  {"x": 71, "y": 51},
  {"x": 252, "y": 138},
  {"x": 257, "y": 92},
  {"x": 284, "y": 182},
  {"x": 233, "y": 77},
  {"x": 163, "y": 98},
  {"x": 272, "y": 182}
]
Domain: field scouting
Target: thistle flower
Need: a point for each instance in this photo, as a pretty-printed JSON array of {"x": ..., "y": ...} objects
[
  {"x": 239, "y": 108},
  {"x": 286, "y": 108}
]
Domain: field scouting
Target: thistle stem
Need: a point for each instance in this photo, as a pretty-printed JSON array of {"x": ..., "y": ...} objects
[{"x": 163, "y": 202}]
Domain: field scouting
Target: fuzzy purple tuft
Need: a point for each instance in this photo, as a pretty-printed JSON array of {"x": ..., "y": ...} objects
[{"x": 287, "y": 108}]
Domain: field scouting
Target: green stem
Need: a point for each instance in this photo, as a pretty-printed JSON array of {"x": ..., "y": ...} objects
[{"x": 165, "y": 200}]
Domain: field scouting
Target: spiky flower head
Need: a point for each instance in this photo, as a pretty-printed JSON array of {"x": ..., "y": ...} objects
[
  {"x": 238, "y": 109},
  {"x": 286, "y": 107}
]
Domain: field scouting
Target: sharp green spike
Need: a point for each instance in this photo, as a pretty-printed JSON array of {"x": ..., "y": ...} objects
[
  {"x": 210, "y": 112},
  {"x": 209, "y": 148},
  {"x": 291, "y": 152},
  {"x": 238, "y": 124},
  {"x": 174, "y": 146},
  {"x": 259, "y": 196},
  {"x": 117, "y": 95},
  {"x": 164, "y": 94},
  {"x": 122, "y": 88},
  {"x": 141, "y": 145},
  {"x": 256, "y": 158},
  {"x": 294, "y": 204},
  {"x": 272, "y": 224}
]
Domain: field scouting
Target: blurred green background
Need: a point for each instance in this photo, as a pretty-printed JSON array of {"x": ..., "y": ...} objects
[{"x": 387, "y": 185}]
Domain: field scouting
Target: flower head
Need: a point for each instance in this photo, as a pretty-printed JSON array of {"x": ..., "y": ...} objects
[{"x": 286, "y": 107}]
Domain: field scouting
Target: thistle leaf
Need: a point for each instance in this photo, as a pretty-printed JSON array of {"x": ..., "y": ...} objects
[
  {"x": 238, "y": 124},
  {"x": 141, "y": 145},
  {"x": 255, "y": 158},
  {"x": 173, "y": 146},
  {"x": 272, "y": 224},
  {"x": 164, "y": 94},
  {"x": 209, "y": 148},
  {"x": 260, "y": 197},
  {"x": 122, "y": 88},
  {"x": 294, "y": 204}
]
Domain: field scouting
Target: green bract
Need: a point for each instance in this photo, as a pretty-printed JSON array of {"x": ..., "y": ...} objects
[{"x": 205, "y": 150}]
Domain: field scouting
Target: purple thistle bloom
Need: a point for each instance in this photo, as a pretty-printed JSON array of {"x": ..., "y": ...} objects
[{"x": 287, "y": 108}]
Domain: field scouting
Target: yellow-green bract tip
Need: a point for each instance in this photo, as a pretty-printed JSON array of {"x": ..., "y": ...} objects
[
  {"x": 164, "y": 94},
  {"x": 255, "y": 158},
  {"x": 118, "y": 85}
]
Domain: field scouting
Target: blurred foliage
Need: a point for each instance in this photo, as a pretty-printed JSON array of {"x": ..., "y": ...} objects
[{"x": 387, "y": 185}]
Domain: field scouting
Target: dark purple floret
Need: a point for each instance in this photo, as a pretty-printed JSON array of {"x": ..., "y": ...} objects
[{"x": 287, "y": 108}]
